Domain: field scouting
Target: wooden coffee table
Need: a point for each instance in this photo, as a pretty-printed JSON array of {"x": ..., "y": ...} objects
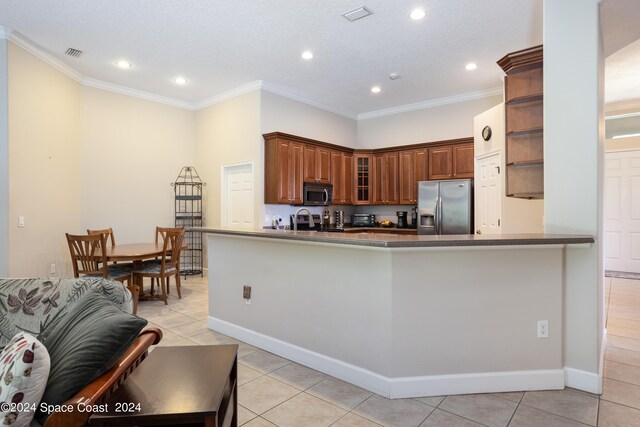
[{"x": 194, "y": 385}]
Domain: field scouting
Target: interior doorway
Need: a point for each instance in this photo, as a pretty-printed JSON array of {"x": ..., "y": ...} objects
[
  {"x": 622, "y": 211},
  {"x": 237, "y": 196},
  {"x": 488, "y": 193}
]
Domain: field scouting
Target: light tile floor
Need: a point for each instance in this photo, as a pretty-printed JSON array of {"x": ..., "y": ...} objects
[{"x": 277, "y": 392}]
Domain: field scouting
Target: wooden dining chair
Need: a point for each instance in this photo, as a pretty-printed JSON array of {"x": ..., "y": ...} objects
[
  {"x": 159, "y": 238},
  {"x": 108, "y": 232},
  {"x": 89, "y": 259},
  {"x": 168, "y": 265}
]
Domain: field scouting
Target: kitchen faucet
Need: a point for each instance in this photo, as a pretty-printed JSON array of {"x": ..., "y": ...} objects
[{"x": 295, "y": 219}]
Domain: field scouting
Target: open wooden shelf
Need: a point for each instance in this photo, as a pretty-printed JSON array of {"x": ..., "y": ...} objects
[
  {"x": 526, "y": 162},
  {"x": 525, "y": 98},
  {"x": 524, "y": 123},
  {"x": 525, "y": 179},
  {"x": 527, "y": 195},
  {"x": 522, "y": 132}
]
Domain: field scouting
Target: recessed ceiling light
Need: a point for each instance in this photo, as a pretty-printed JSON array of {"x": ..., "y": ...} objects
[
  {"x": 125, "y": 65},
  {"x": 180, "y": 81},
  {"x": 471, "y": 66},
  {"x": 375, "y": 89},
  {"x": 417, "y": 14},
  {"x": 307, "y": 55}
]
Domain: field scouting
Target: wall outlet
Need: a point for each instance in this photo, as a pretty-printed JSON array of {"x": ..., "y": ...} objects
[
  {"x": 543, "y": 329},
  {"x": 52, "y": 268}
]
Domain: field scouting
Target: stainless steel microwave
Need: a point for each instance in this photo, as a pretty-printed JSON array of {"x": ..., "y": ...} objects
[{"x": 317, "y": 194}]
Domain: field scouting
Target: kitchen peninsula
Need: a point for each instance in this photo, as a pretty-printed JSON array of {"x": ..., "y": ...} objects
[{"x": 399, "y": 315}]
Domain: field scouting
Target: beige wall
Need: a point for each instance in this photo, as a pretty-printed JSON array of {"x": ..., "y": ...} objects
[
  {"x": 83, "y": 158},
  {"x": 4, "y": 159},
  {"x": 280, "y": 114},
  {"x": 425, "y": 125},
  {"x": 229, "y": 133},
  {"x": 44, "y": 158},
  {"x": 131, "y": 151}
]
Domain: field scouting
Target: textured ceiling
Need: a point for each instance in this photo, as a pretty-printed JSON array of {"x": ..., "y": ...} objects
[{"x": 221, "y": 45}]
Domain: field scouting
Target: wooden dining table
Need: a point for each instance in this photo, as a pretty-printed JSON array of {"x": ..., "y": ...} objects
[{"x": 136, "y": 253}]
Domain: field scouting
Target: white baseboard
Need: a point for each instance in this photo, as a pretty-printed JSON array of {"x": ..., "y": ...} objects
[
  {"x": 582, "y": 380},
  {"x": 431, "y": 385}
]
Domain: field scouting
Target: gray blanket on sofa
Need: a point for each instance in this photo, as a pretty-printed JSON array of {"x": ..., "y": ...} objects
[{"x": 36, "y": 305}]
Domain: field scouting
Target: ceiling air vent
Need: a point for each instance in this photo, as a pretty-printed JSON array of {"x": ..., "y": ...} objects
[
  {"x": 356, "y": 14},
  {"x": 74, "y": 52}
]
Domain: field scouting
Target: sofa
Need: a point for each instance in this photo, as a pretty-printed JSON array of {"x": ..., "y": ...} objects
[{"x": 38, "y": 305}]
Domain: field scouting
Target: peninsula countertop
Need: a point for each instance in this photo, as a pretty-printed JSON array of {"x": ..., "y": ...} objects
[{"x": 386, "y": 240}]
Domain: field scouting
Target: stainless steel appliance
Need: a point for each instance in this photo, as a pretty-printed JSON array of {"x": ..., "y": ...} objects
[
  {"x": 363, "y": 220},
  {"x": 317, "y": 194},
  {"x": 445, "y": 207},
  {"x": 402, "y": 219}
]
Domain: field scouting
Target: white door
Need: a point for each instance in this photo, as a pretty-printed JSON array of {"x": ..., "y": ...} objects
[
  {"x": 488, "y": 193},
  {"x": 237, "y": 205},
  {"x": 622, "y": 211}
]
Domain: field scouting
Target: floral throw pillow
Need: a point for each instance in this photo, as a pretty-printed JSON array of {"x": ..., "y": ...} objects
[{"x": 24, "y": 370}]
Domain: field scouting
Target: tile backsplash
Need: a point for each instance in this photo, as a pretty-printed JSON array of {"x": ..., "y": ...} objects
[{"x": 381, "y": 212}]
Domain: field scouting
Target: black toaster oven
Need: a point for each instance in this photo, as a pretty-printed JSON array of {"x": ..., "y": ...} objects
[{"x": 363, "y": 220}]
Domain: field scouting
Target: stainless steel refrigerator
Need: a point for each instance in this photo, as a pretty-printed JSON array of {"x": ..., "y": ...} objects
[{"x": 445, "y": 207}]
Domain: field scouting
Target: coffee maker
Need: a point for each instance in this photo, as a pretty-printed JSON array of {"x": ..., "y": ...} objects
[{"x": 402, "y": 219}]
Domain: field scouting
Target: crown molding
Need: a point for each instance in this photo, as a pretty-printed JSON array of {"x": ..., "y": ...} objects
[
  {"x": 287, "y": 93},
  {"x": 431, "y": 103},
  {"x": 240, "y": 90},
  {"x": 5, "y": 32},
  {"x": 147, "y": 96},
  {"x": 43, "y": 55},
  {"x": 520, "y": 58}
]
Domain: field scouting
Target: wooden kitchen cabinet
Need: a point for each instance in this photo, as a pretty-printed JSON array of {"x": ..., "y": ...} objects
[
  {"x": 440, "y": 163},
  {"x": 342, "y": 177},
  {"x": 413, "y": 168},
  {"x": 385, "y": 185},
  {"x": 283, "y": 171},
  {"x": 462, "y": 161},
  {"x": 317, "y": 164},
  {"x": 453, "y": 161},
  {"x": 386, "y": 176},
  {"x": 362, "y": 179}
]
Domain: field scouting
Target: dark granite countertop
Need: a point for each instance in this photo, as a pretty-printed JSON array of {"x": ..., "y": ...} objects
[{"x": 386, "y": 240}]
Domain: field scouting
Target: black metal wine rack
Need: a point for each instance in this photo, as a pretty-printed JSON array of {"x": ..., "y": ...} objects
[{"x": 189, "y": 214}]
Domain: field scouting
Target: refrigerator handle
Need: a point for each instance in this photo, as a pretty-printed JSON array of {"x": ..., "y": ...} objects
[{"x": 438, "y": 216}]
